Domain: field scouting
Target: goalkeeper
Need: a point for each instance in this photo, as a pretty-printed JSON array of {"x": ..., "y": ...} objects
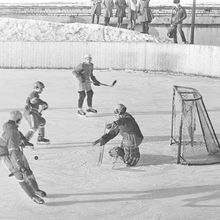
[
  {"x": 32, "y": 113},
  {"x": 131, "y": 133}
]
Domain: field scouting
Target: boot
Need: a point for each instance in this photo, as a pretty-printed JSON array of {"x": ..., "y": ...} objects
[
  {"x": 81, "y": 112},
  {"x": 90, "y": 109},
  {"x": 40, "y": 193},
  {"x": 38, "y": 200},
  {"x": 42, "y": 140}
]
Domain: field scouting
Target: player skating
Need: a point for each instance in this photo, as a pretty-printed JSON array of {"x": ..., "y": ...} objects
[
  {"x": 84, "y": 75},
  {"x": 12, "y": 157},
  {"x": 32, "y": 113},
  {"x": 131, "y": 137}
]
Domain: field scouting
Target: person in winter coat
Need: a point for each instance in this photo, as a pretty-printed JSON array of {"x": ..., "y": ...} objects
[
  {"x": 12, "y": 157},
  {"x": 96, "y": 10},
  {"x": 120, "y": 11},
  {"x": 131, "y": 134},
  {"x": 145, "y": 15},
  {"x": 132, "y": 13},
  {"x": 107, "y": 13},
  {"x": 178, "y": 15}
]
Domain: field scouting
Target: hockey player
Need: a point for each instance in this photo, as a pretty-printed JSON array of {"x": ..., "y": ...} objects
[
  {"x": 131, "y": 133},
  {"x": 13, "y": 158},
  {"x": 83, "y": 73},
  {"x": 32, "y": 113}
]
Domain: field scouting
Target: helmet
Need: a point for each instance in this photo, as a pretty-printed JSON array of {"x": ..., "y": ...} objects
[
  {"x": 120, "y": 109},
  {"x": 176, "y": 1},
  {"x": 88, "y": 55},
  {"x": 38, "y": 85},
  {"x": 15, "y": 115}
]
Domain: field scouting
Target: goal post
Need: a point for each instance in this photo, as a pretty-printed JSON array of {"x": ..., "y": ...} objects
[{"x": 191, "y": 128}]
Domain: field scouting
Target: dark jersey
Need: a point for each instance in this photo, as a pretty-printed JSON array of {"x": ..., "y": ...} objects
[
  {"x": 10, "y": 138},
  {"x": 33, "y": 101},
  {"x": 126, "y": 126}
]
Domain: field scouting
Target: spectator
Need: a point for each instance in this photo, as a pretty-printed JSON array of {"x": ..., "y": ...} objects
[
  {"x": 96, "y": 10},
  {"x": 132, "y": 13},
  {"x": 178, "y": 15},
  {"x": 145, "y": 15},
  {"x": 120, "y": 11},
  {"x": 108, "y": 6}
]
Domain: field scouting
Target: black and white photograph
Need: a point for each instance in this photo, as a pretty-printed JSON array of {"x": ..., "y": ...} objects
[{"x": 109, "y": 109}]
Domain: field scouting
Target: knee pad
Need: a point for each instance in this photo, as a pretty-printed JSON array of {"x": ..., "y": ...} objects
[
  {"x": 90, "y": 93},
  {"x": 82, "y": 94},
  {"x": 132, "y": 156},
  {"x": 42, "y": 121},
  {"x": 19, "y": 176}
]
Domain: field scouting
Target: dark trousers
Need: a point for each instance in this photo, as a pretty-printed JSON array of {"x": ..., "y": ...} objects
[
  {"x": 145, "y": 27},
  {"x": 120, "y": 20},
  {"x": 107, "y": 20},
  {"x": 93, "y": 19},
  {"x": 180, "y": 30}
]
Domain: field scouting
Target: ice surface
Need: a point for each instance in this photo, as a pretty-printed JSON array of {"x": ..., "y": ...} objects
[{"x": 156, "y": 189}]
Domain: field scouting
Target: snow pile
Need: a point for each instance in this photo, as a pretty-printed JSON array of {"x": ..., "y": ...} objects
[{"x": 34, "y": 30}]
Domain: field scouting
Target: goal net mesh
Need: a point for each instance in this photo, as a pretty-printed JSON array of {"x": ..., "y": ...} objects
[{"x": 192, "y": 129}]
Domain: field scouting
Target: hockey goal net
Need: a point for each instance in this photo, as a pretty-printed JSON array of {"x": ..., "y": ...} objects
[{"x": 192, "y": 129}]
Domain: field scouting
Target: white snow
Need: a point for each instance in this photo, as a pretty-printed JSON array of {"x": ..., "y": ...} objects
[
  {"x": 156, "y": 189},
  {"x": 34, "y": 30}
]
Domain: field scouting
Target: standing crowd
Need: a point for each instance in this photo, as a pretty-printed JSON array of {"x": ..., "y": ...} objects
[{"x": 137, "y": 10}]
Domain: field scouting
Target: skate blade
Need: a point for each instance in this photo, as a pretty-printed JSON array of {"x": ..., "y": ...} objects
[
  {"x": 81, "y": 116},
  {"x": 46, "y": 143}
]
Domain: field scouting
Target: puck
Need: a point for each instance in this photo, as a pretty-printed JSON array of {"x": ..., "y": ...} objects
[{"x": 36, "y": 157}]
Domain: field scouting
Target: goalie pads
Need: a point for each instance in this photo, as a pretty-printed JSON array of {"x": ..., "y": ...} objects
[
  {"x": 129, "y": 156},
  {"x": 132, "y": 156}
]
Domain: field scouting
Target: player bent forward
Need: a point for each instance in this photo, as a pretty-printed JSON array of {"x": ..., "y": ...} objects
[
  {"x": 14, "y": 160},
  {"x": 83, "y": 73},
  {"x": 131, "y": 133},
  {"x": 32, "y": 113}
]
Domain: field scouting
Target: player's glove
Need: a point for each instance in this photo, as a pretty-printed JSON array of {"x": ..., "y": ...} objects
[
  {"x": 96, "y": 83},
  {"x": 25, "y": 143},
  {"x": 100, "y": 140},
  {"x": 44, "y": 106},
  {"x": 109, "y": 126}
]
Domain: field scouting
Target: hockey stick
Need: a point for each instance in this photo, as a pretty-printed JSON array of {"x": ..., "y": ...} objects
[
  {"x": 103, "y": 84},
  {"x": 101, "y": 151}
]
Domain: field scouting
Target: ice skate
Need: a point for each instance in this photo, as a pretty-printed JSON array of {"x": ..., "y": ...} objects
[
  {"x": 80, "y": 112},
  {"x": 42, "y": 140},
  {"x": 91, "y": 110},
  {"x": 38, "y": 200},
  {"x": 40, "y": 193}
]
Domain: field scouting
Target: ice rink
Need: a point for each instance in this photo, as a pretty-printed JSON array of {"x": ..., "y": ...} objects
[{"x": 157, "y": 189}]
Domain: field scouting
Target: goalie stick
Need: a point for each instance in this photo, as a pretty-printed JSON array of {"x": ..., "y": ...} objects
[
  {"x": 103, "y": 84},
  {"x": 101, "y": 151}
]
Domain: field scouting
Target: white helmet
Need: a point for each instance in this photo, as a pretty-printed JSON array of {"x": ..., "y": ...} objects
[
  {"x": 15, "y": 115},
  {"x": 88, "y": 55},
  {"x": 38, "y": 85},
  {"x": 120, "y": 109}
]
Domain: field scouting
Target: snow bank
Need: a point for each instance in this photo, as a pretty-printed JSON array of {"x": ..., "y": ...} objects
[{"x": 35, "y": 30}]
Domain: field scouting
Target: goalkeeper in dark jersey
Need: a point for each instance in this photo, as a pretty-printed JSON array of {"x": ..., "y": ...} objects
[{"x": 131, "y": 137}]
